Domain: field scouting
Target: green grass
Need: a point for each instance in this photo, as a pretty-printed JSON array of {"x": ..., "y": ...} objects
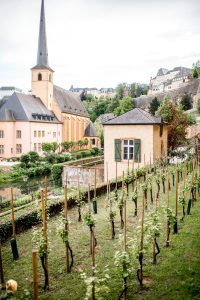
[{"x": 176, "y": 275}]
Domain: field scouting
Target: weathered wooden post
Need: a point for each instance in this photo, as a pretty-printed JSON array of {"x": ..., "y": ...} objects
[
  {"x": 140, "y": 271},
  {"x": 168, "y": 223},
  {"x": 115, "y": 175},
  {"x": 125, "y": 247},
  {"x": 66, "y": 228},
  {"x": 13, "y": 240},
  {"x": 176, "y": 209},
  {"x": 1, "y": 269},
  {"x": 44, "y": 231},
  {"x": 35, "y": 275},
  {"x": 95, "y": 193}
]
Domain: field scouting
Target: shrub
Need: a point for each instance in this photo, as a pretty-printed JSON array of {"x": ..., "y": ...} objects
[{"x": 56, "y": 172}]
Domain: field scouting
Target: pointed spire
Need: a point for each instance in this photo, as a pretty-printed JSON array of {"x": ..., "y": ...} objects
[{"x": 42, "y": 55}]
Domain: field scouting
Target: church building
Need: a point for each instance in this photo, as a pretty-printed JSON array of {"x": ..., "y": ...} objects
[{"x": 49, "y": 114}]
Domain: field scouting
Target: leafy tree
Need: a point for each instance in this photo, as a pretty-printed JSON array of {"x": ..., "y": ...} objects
[
  {"x": 198, "y": 105},
  {"x": 153, "y": 106},
  {"x": 47, "y": 147},
  {"x": 55, "y": 146},
  {"x": 132, "y": 90},
  {"x": 66, "y": 145},
  {"x": 126, "y": 104},
  {"x": 34, "y": 156},
  {"x": 177, "y": 120},
  {"x": 196, "y": 69},
  {"x": 24, "y": 159},
  {"x": 120, "y": 90},
  {"x": 113, "y": 104},
  {"x": 195, "y": 73},
  {"x": 138, "y": 91},
  {"x": 86, "y": 142},
  {"x": 186, "y": 102}
]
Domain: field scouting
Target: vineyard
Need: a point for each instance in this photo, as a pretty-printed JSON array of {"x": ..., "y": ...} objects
[{"x": 139, "y": 240}]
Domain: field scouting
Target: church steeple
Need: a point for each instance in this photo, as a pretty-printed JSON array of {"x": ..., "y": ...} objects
[
  {"x": 42, "y": 74},
  {"x": 42, "y": 55}
]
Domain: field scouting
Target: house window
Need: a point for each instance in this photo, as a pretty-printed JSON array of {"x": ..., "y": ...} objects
[
  {"x": 35, "y": 133},
  {"x": 35, "y": 147},
  {"x": 39, "y": 76},
  {"x": 1, "y": 134},
  {"x": 19, "y": 148},
  {"x": 93, "y": 141},
  {"x": 1, "y": 149},
  {"x": 39, "y": 147},
  {"x": 39, "y": 133},
  {"x": 128, "y": 148},
  {"x": 18, "y": 134},
  {"x": 43, "y": 133},
  {"x": 54, "y": 134}
]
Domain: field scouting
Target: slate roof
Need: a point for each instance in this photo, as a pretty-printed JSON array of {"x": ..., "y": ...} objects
[
  {"x": 90, "y": 131},
  {"x": 69, "y": 102},
  {"x": 22, "y": 107},
  {"x": 161, "y": 72},
  {"x": 136, "y": 116}
]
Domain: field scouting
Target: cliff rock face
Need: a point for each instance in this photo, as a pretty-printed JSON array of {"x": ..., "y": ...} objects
[{"x": 191, "y": 88}]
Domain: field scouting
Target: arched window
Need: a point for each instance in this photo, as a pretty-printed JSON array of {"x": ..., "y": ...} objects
[
  {"x": 50, "y": 77},
  {"x": 39, "y": 76}
]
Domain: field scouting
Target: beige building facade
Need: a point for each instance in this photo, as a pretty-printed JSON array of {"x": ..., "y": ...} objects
[{"x": 135, "y": 139}]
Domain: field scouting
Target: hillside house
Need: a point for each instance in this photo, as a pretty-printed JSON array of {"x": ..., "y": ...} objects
[{"x": 135, "y": 137}]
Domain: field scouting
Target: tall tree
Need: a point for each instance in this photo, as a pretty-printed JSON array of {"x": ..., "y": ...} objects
[
  {"x": 186, "y": 102},
  {"x": 177, "y": 120},
  {"x": 196, "y": 69},
  {"x": 120, "y": 90},
  {"x": 153, "y": 106},
  {"x": 126, "y": 104},
  {"x": 132, "y": 90}
]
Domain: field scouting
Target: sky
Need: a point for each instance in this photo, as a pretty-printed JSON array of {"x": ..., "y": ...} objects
[{"x": 98, "y": 43}]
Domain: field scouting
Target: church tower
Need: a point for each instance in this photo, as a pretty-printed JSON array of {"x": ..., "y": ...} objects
[{"x": 42, "y": 74}]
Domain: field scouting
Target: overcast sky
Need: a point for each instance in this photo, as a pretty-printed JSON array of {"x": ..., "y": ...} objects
[{"x": 98, "y": 43}]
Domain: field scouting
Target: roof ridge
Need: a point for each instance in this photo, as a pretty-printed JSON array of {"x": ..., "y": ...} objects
[{"x": 142, "y": 111}]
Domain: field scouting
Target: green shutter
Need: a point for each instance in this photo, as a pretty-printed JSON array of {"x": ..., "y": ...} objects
[
  {"x": 137, "y": 150},
  {"x": 117, "y": 150}
]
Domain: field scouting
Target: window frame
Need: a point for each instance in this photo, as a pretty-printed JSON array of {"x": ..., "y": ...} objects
[
  {"x": 18, "y": 134},
  {"x": 1, "y": 134},
  {"x": 128, "y": 146},
  {"x": 18, "y": 148}
]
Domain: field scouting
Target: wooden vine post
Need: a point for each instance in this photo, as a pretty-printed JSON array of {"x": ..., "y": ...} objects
[
  {"x": 168, "y": 222},
  {"x": 112, "y": 214},
  {"x": 95, "y": 189},
  {"x": 13, "y": 240},
  {"x": 92, "y": 243},
  {"x": 44, "y": 259},
  {"x": 156, "y": 249},
  {"x": 140, "y": 271},
  {"x": 46, "y": 190},
  {"x": 121, "y": 203},
  {"x": 125, "y": 247},
  {"x": 79, "y": 198},
  {"x": 66, "y": 228},
  {"x": 115, "y": 175},
  {"x": 1, "y": 269},
  {"x": 176, "y": 201},
  {"x": 35, "y": 275}
]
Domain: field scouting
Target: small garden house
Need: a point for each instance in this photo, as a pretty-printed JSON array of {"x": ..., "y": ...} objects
[{"x": 135, "y": 138}]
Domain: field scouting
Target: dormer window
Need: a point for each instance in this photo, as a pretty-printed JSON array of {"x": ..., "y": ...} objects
[{"x": 39, "y": 77}]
